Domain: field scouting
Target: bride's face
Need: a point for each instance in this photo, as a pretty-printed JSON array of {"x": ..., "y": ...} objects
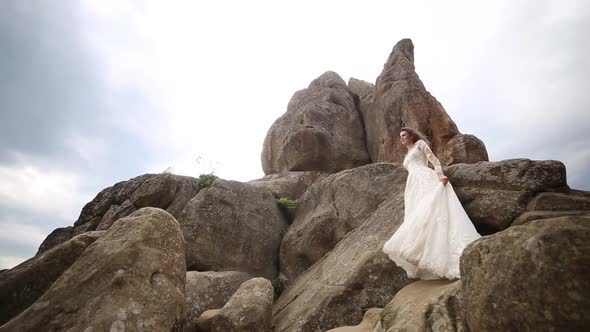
[{"x": 405, "y": 138}]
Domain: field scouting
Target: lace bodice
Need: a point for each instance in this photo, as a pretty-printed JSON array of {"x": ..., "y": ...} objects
[{"x": 419, "y": 156}]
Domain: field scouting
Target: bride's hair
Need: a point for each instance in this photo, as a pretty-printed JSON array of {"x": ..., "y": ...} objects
[{"x": 415, "y": 135}]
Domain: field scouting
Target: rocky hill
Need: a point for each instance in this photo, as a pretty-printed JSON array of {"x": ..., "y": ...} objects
[{"x": 162, "y": 252}]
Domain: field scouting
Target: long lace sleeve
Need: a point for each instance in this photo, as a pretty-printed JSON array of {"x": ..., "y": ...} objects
[{"x": 422, "y": 146}]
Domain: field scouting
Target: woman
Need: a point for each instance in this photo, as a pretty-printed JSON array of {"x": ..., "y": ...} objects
[{"x": 436, "y": 229}]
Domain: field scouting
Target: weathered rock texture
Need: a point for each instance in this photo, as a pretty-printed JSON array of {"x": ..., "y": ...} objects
[
  {"x": 165, "y": 191},
  {"x": 322, "y": 130},
  {"x": 22, "y": 285},
  {"x": 291, "y": 185},
  {"x": 59, "y": 235},
  {"x": 204, "y": 321},
  {"x": 495, "y": 193},
  {"x": 536, "y": 215},
  {"x": 532, "y": 277},
  {"x": 400, "y": 99},
  {"x": 559, "y": 202},
  {"x": 367, "y": 325},
  {"x": 426, "y": 305},
  {"x": 511, "y": 174},
  {"x": 363, "y": 93},
  {"x": 554, "y": 204},
  {"x": 464, "y": 148},
  {"x": 233, "y": 226},
  {"x": 209, "y": 290},
  {"x": 131, "y": 278},
  {"x": 353, "y": 277},
  {"x": 248, "y": 310},
  {"x": 330, "y": 209}
]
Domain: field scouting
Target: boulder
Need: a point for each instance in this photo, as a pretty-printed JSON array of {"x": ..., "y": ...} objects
[
  {"x": 291, "y": 185},
  {"x": 22, "y": 285},
  {"x": 88, "y": 226},
  {"x": 131, "y": 278},
  {"x": 351, "y": 278},
  {"x": 559, "y": 202},
  {"x": 512, "y": 174},
  {"x": 491, "y": 210},
  {"x": 464, "y": 148},
  {"x": 209, "y": 290},
  {"x": 370, "y": 318},
  {"x": 114, "y": 213},
  {"x": 109, "y": 196},
  {"x": 400, "y": 99},
  {"x": 536, "y": 215},
  {"x": 204, "y": 321},
  {"x": 425, "y": 305},
  {"x": 59, "y": 235},
  {"x": 532, "y": 277},
  {"x": 248, "y": 310},
  {"x": 495, "y": 193},
  {"x": 157, "y": 192},
  {"x": 233, "y": 226},
  {"x": 321, "y": 131},
  {"x": 330, "y": 209},
  {"x": 364, "y": 94},
  {"x": 365, "y": 91},
  {"x": 166, "y": 191}
]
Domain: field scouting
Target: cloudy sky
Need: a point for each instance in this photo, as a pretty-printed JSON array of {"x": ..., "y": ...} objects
[{"x": 95, "y": 92}]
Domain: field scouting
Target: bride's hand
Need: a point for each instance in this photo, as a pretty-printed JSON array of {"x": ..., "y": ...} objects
[{"x": 443, "y": 179}]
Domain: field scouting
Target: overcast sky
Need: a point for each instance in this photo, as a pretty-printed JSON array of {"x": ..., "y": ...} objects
[{"x": 96, "y": 92}]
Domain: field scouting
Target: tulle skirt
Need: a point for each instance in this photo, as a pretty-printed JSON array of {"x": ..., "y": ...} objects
[{"x": 436, "y": 229}]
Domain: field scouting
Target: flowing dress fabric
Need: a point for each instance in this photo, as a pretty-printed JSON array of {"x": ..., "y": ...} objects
[{"x": 436, "y": 228}]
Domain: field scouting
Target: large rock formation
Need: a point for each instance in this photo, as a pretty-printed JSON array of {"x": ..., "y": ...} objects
[
  {"x": 367, "y": 325},
  {"x": 22, "y": 285},
  {"x": 209, "y": 290},
  {"x": 553, "y": 204},
  {"x": 248, "y": 310},
  {"x": 228, "y": 225},
  {"x": 233, "y": 226},
  {"x": 354, "y": 276},
  {"x": 400, "y": 99},
  {"x": 165, "y": 191},
  {"x": 426, "y": 305},
  {"x": 513, "y": 174},
  {"x": 495, "y": 193},
  {"x": 59, "y": 235},
  {"x": 332, "y": 269},
  {"x": 464, "y": 148},
  {"x": 330, "y": 209},
  {"x": 291, "y": 185},
  {"x": 532, "y": 277},
  {"x": 322, "y": 130},
  {"x": 131, "y": 278}
]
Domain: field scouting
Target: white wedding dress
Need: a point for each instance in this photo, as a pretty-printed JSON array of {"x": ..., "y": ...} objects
[{"x": 436, "y": 229}]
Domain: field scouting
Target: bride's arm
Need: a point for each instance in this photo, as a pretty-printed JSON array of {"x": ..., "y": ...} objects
[{"x": 422, "y": 146}]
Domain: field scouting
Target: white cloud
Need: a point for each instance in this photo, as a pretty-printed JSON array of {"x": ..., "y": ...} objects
[
  {"x": 54, "y": 193},
  {"x": 220, "y": 76},
  {"x": 16, "y": 235},
  {"x": 23, "y": 234},
  {"x": 8, "y": 262}
]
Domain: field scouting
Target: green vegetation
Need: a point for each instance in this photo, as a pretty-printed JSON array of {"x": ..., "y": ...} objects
[
  {"x": 278, "y": 286},
  {"x": 284, "y": 230},
  {"x": 205, "y": 180},
  {"x": 287, "y": 203}
]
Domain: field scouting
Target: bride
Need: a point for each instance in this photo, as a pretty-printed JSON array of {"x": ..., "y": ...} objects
[{"x": 436, "y": 229}]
